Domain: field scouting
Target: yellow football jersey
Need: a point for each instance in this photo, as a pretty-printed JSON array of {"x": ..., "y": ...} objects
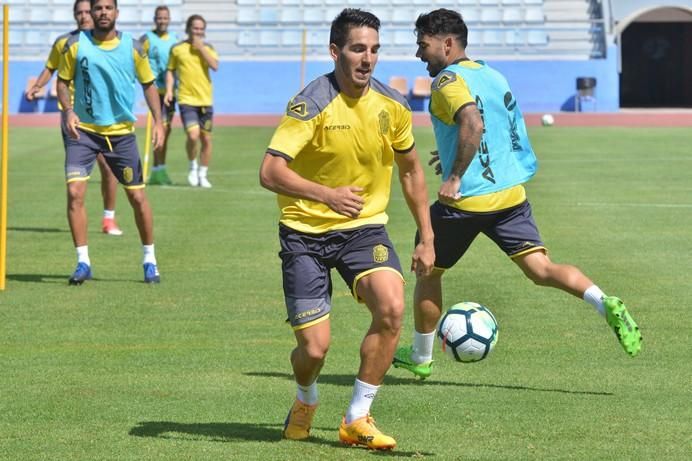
[
  {"x": 335, "y": 140},
  {"x": 68, "y": 66},
  {"x": 194, "y": 81},
  {"x": 445, "y": 101}
]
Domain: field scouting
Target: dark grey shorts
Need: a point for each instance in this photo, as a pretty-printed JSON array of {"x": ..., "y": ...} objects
[
  {"x": 307, "y": 260},
  {"x": 201, "y": 116},
  {"x": 513, "y": 230},
  {"x": 121, "y": 154}
]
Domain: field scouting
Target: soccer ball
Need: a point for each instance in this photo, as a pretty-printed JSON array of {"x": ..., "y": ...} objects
[
  {"x": 547, "y": 120},
  {"x": 467, "y": 332}
]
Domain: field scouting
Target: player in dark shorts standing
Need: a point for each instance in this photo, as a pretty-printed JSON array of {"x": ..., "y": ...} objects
[
  {"x": 190, "y": 61},
  {"x": 157, "y": 45},
  {"x": 104, "y": 62}
]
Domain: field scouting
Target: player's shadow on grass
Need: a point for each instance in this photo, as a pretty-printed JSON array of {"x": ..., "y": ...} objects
[
  {"x": 236, "y": 432},
  {"x": 41, "y": 230},
  {"x": 60, "y": 279},
  {"x": 347, "y": 380},
  {"x": 38, "y": 278}
]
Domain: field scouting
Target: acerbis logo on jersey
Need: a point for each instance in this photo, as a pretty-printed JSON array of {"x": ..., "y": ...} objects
[{"x": 297, "y": 109}]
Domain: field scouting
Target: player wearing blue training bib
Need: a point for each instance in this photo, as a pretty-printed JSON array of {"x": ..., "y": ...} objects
[
  {"x": 104, "y": 65},
  {"x": 484, "y": 156},
  {"x": 157, "y": 45}
]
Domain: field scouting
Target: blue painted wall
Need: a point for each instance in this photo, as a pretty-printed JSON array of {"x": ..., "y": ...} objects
[{"x": 265, "y": 87}]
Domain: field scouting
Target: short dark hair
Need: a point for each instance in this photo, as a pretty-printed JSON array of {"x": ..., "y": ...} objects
[
  {"x": 92, "y": 2},
  {"x": 443, "y": 22},
  {"x": 193, "y": 18},
  {"x": 77, "y": 2},
  {"x": 161, "y": 8},
  {"x": 348, "y": 19}
]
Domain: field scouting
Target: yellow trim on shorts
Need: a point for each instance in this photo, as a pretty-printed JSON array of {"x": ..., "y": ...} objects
[
  {"x": 368, "y": 272},
  {"x": 530, "y": 250},
  {"x": 77, "y": 179},
  {"x": 140, "y": 186},
  {"x": 309, "y": 324},
  {"x": 190, "y": 127}
]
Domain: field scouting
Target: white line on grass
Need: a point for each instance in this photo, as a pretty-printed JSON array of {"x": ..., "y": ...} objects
[{"x": 636, "y": 205}]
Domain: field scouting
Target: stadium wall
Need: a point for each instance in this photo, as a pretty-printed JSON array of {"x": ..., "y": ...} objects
[{"x": 264, "y": 87}]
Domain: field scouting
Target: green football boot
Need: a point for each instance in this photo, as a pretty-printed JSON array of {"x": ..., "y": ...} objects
[
  {"x": 164, "y": 178},
  {"x": 155, "y": 178},
  {"x": 402, "y": 359},
  {"x": 623, "y": 325}
]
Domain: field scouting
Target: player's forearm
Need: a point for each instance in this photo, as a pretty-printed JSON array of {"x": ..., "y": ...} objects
[
  {"x": 64, "y": 96},
  {"x": 152, "y": 98},
  {"x": 416, "y": 194},
  {"x": 278, "y": 178},
  {"x": 470, "y": 131},
  {"x": 212, "y": 62},
  {"x": 44, "y": 77},
  {"x": 170, "y": 81}
]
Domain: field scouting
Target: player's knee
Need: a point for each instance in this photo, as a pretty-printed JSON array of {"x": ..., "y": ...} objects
[
  {"x": 315, "y": 352},
  {"x": 391, "y": 314}
]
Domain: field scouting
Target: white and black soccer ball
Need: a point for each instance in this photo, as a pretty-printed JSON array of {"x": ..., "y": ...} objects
[
  {"x": 547, "y": 120},
  {"x": 467, "y": 332}
]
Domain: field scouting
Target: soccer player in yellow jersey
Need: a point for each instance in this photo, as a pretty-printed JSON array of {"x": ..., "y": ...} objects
[
  {"x": 103, "y": 64},
  {"x": 485, "y": 157},
  {"x": 157, "y": 45},
  {"x": 330, "y": 162},
  {"x": 190, "y": 61},
  {"x": 109, "y": 183}
]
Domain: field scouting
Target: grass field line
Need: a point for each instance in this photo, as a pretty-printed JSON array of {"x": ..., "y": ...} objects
[{"x": 636, "y": 205}]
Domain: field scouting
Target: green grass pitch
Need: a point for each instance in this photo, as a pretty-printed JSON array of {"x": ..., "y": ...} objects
[{"x": 197, "y": 368}]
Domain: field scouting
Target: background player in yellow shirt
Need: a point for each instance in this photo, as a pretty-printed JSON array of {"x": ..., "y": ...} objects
[
  {"x": 190, "y": 62},
  {"x": 330, "y": 162},
  {"x": 109, "y": 183}
]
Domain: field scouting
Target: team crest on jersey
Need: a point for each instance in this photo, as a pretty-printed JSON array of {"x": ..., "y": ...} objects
[
  {"x": 444, "y": 79},
  {"x": 385, "y": 120},
  {"x": 128, "y": 174},
  {"x": 380, "y": 253},
  {"x": 297, "y": 109}
]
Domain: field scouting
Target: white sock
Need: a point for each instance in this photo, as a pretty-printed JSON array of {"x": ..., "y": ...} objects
[
  {"x": 363, "y": 395},
  {"x": 149, "y": 255},
  {"x": 203, "y": 171},
  {"x": 423, "y": 347},
  {"x": 307, "y": 394},
  {"x": 157, "y": 168},
  {"x": 109, "y": 214},
  {"x": 193, "y": 165},
  {"x": 162, "y": 167},
  {"x": 594, "y": 296},
  {"x": 83, "y": 255}
]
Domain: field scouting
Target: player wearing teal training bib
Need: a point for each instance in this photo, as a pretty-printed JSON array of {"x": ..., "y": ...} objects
[
  {"x": 157, "y": 45},
  {"x": 104, "y": 65},
  {"x": 484, "y": 156}
]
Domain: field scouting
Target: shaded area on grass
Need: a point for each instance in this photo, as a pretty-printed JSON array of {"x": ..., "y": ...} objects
[
  {"x": 347, "y": 380},
  {"x": 41, "y": 230},
  {"x": 238, "y": 432}
]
